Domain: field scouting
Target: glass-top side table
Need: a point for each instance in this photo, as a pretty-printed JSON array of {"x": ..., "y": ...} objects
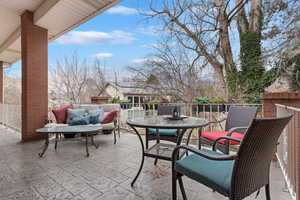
[{"x": 86, "y": 130}]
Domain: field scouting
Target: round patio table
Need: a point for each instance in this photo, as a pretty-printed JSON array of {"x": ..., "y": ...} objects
[
  {"x": 86, "y": 130},
  {"x": 161, "y": 150}
]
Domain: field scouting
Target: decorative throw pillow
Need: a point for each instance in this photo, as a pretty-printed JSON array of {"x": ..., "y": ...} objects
[
  {"x": 61, "y": 114},
  {"x": 81, "y": 120},
  {"x": 73, "y": 113},
  {"x": 96, "y": 115},
  {"x": 110, "y": 117}
]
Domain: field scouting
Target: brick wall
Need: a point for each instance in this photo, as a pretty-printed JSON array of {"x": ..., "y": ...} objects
[{"x": 284, "y": 98}]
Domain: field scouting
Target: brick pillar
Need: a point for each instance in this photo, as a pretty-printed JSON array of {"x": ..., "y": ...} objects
[
  {"x": 1, "y": 83},
  {"x": 284, "y": 98},
  {"x": 34, "y": 45}
]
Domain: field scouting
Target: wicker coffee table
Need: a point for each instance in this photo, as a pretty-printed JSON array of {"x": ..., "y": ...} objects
[{"x": 87, "y": 131}]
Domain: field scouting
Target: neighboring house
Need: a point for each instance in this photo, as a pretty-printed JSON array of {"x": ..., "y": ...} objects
[{"x": 132, "y": 94}]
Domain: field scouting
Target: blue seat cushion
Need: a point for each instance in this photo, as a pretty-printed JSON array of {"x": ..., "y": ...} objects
[
  {"x": 165, "y": 132},
  {"x": 81, "y": 120},
  {"x": 75, "y": 113},
  {"x": 214, "y": 174}
]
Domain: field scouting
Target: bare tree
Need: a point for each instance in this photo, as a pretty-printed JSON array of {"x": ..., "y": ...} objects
[
  {"x": 73, "y": 80},
  {"x": 12, "y": 90},
  {"x": 208, "y": 28},
  {"x": 171, "y": 70}
]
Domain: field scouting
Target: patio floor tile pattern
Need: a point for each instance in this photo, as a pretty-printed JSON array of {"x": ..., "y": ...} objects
[{"x": 106, "y": 174}]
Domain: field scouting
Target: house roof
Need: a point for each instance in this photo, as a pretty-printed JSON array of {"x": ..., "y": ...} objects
[
  {"x": 128, "y": 89},
  {"x": 58, "y": 16}
]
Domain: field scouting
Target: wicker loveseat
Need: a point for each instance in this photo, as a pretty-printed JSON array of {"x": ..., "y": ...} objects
[{"x": 112, "y": 126}]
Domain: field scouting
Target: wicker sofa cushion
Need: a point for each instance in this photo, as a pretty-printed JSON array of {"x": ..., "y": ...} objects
[
  {"x": 81, "y": 120},
  {"x": 75, "y": 113},
  {"x": 216, "y": 134},
  {"x": 109, "y": 117},
  {"x": 61, "y": 114},
  {"x": 214, "y": 174},
  {"x": 165, "y": 132},
  {"x": 96, "y": 115}
]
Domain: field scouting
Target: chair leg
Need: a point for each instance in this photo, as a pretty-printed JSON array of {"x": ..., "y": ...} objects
[
  {"x": 147, "y": 143},
  {"x": 227, "y": 149},
  {"x": 267, "y": 189},
  {"x": 174, "y": 185},
  {"x": 115, "y": 137},
  {"x": 182, "y": 188},
  {"x": 155, "y": 161}
]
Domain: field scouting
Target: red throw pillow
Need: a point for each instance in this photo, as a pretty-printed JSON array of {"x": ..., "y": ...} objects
[
  {"x": 61, "y": 114},
  {"x": 110, "y": 117}
]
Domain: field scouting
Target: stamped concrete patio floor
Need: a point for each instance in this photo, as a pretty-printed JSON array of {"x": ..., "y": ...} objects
[{"x": 106, "y": 174}]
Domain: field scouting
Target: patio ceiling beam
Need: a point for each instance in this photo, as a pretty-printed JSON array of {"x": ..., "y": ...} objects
[
  {"x": 94, "y": 3},
  {"x": 13, "y": 51},
  {"x": 38, "y": 14},
  {"x": 11, "y": 39},
  {"x": 43, "y": 9}
]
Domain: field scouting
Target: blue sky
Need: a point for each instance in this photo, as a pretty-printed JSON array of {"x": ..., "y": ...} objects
[{"x": 120, "y": 37}]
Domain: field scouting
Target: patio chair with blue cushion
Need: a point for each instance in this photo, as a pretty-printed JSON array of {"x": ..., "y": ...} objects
[
  {"x": 164, "y": 134},
  {"x": 234, "y": 176}
]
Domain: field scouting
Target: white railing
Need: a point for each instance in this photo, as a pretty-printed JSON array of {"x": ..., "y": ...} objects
[
  {"x": 211, "y": 112},
  {"x": 288, "y": 150},
  {"x": 10, "y": 116}
]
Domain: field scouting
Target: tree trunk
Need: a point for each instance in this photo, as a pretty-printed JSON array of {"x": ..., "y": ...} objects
[
  {"x": 229, "y": 65},
  {"x": 252, "y": 69}
]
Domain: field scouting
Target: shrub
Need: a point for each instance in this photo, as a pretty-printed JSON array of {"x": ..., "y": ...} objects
[
  {"x": 203, "y": 100},
  {"x": 218, "y": 100},
  {"x": 114, "y": 100},
  {"x": 154, "y": 102}
]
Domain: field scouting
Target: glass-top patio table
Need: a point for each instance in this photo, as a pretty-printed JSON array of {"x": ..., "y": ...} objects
[
  {"x": 86, "y": 130},
  {"x": 161, "y": 150}
]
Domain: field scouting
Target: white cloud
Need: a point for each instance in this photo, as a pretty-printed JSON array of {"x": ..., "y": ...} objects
[
  {"x": 103, "y": 55},
  {"x": 90, "y": 37},
  {"x": 141, "y": 61},
  {"x": 150, "y": 30},
  {"x": 121, "y": 37},
  {"x": 122, "y": 10}
]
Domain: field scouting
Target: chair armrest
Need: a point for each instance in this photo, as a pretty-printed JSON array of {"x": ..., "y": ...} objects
[
  {"x": 236, "y": 129},
  {"x": 224, "y": 138},
  {"x": 200, "y": 153}
]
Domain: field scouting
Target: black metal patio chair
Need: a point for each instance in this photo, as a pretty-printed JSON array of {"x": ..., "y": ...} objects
[
  {"x": 234, "y": 176},
  {"x": 237, "y": 122}
]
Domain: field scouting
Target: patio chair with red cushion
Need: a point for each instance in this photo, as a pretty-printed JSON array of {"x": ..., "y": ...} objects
[{"x": 237, "y": 122}]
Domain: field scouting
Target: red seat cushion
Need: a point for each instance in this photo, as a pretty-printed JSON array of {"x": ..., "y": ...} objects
[
  {"x": 110, "y": 117},
  {"x": 216, "y": 134},
  {"x": 61, "y": 114}
]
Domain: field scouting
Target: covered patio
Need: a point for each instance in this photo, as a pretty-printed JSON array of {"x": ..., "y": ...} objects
[
  {"x": 26, "y": 28},
  {"x": 106, "y": 174}
]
